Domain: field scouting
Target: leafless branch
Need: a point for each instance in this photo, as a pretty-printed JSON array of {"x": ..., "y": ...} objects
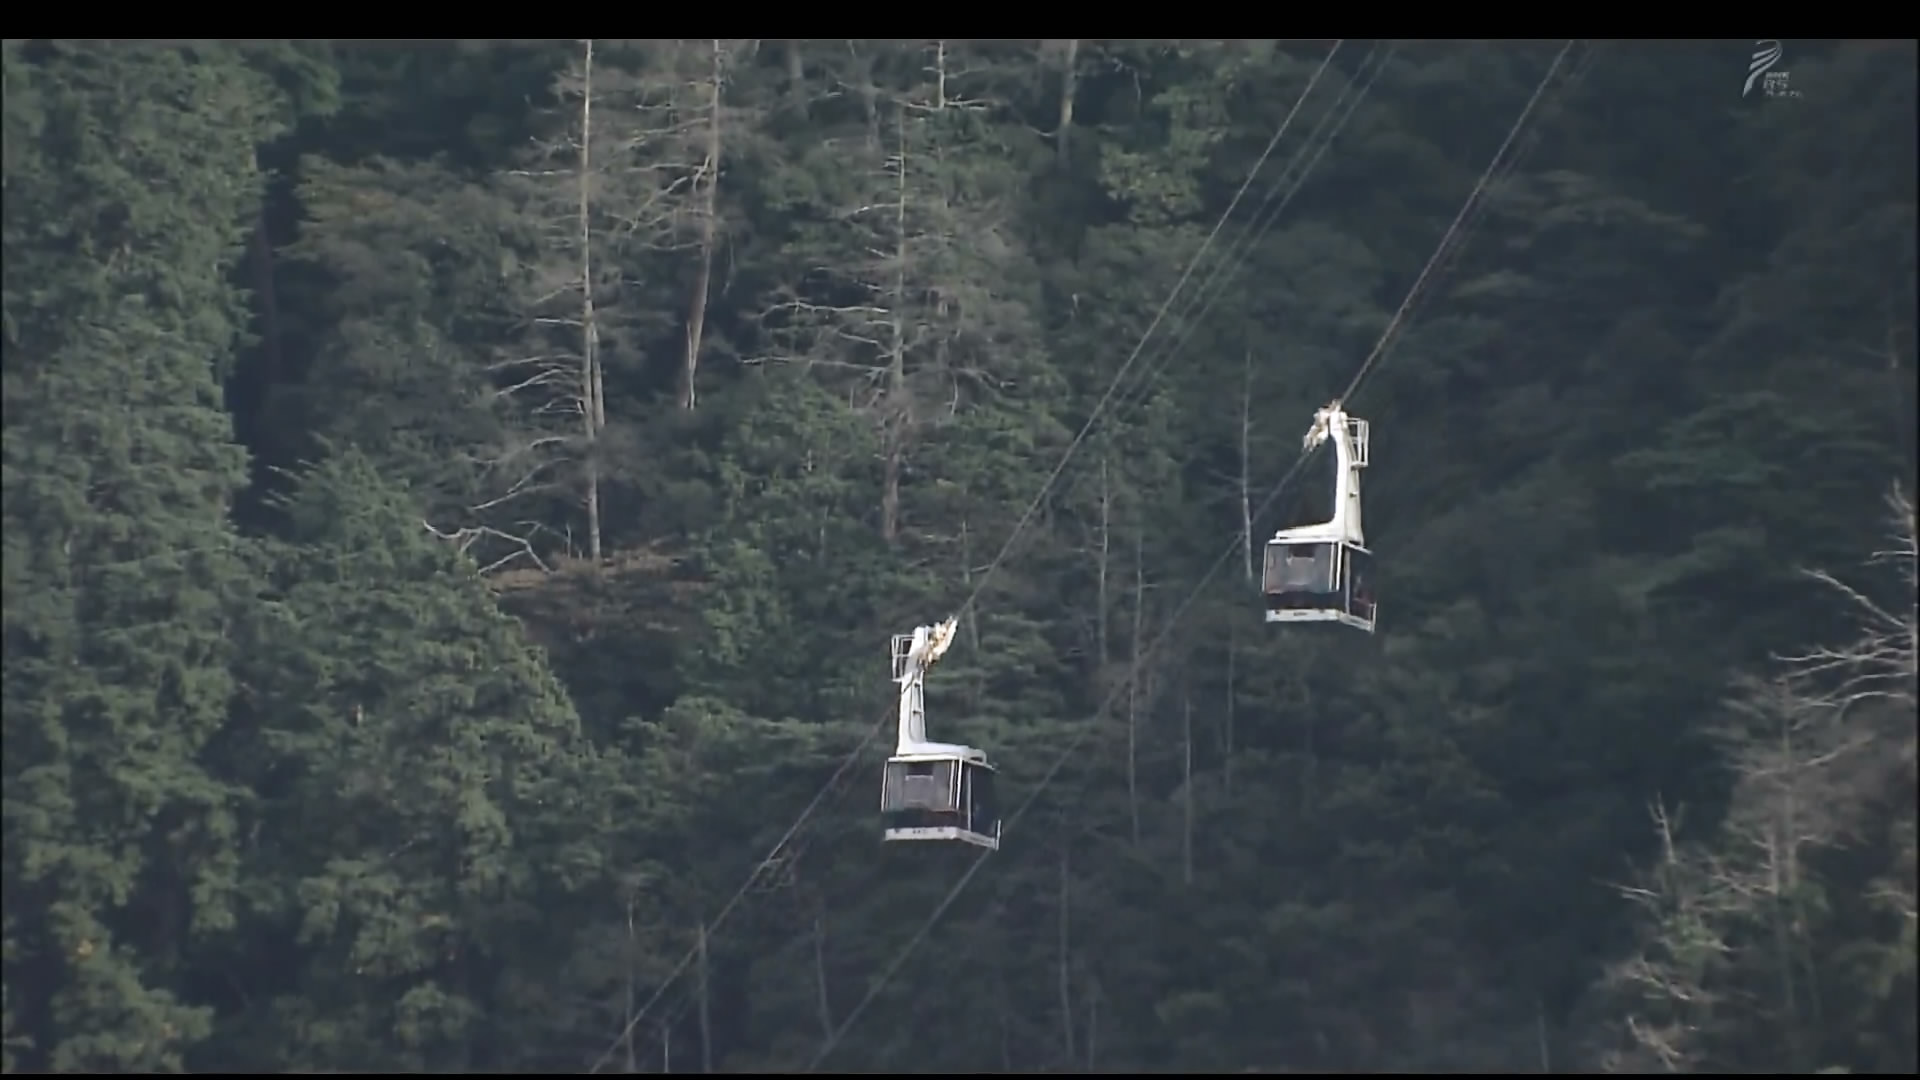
[
  {"x": 1884, "y": 661},
  {"x": 464, "y": 539},
  {"x": 1808, "y": 763}
]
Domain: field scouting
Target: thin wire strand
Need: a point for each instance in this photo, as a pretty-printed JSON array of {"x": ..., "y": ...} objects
[
  {"x": 1192, "y": 320},
  {"x": 1229, "y": 264},
  {"x": 1392, "y": 332},
  {"x": 1257, "y": 228},
  {"x": 1173, "y": 621},
  {"x": 1524, "y": 149},
  {"x": 1158, "y": 316},
  {"x": 1026, "y": 516},
  {"x": 1046, "y": 778}
]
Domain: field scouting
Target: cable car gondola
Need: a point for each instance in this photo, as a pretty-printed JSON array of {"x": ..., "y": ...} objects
[
  {"x": 933, "y": 791},
  {"x": 1324, "y": 572}
]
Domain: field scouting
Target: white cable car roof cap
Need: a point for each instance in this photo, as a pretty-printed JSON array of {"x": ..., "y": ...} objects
[
  {"x": 1325, "y": 532},
  {"x": 932, "y": 751}
]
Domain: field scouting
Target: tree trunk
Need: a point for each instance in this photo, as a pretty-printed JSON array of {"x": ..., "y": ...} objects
[
  {"x": 898, "y": 408},
  {"x": 706, "y": 1025},
  {"x": 628, "y": 1022},
  {"x": 1069, "y": 81},
  {"x": 1133, "y": 687},
  {"x": 1102, "y": 606},
  {"x": 940, "y": 74},
  {"x": 977, "y": 686},
  {"x": 820, "y": 974},
  {"x": 709, "y": 183},
  {"x": 1226, "y": 761},
  {"x": 1246, "y": 464},
  {"x": 797, "y": 74},
  {"x": 1066, "y": 956},
  {"x": 593, "y": 415}
]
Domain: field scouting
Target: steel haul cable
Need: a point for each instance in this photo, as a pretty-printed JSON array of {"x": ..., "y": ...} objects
[
  {"x": 1521, "y": 150},
  {"x": 847, "y": 763},
  {"x": 1453, "y": 233},
  {"x": 1312, "y": 150},
  {"x": 1234, "y": 259},
  {"x": 1380, "y": 348},
  {"x": 1190, "y": 320},
  {"x": 1205, "y": 298},
  {"x": 1435, "y": 268}
]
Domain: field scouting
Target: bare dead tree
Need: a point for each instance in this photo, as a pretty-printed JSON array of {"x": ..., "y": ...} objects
[
  {"x": 1865, "y": 692},
  {"x": 557, "y": 368},
  {"x": 1869, "y": 686},
  {"x": 425, "y": 225},
  {"x": 592, "y": 412},
  {"x": 1069, "y": 52},
  {"x": 1668, "y": 984},
  {"x": 904, "y": 311},
  {"x": 1882, "y": 663},
  {"x": 796, "y": 57},
  {"x": 624, "y": 183},
  {"x": 897, "y": 421},
  {"x": 706, "y": 217},
  {"x": 1817, "y": 746},
  {"x": 696, "y": 122},
  {"x": 464, "y": 539}
]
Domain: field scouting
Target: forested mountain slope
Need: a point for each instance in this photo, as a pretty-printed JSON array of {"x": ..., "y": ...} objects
[{"x": 457, "y": 498}]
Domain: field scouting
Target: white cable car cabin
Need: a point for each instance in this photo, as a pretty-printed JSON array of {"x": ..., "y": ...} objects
[
  {"x": 1324, "y": 572},
  {"x": 930, "y": 790}
]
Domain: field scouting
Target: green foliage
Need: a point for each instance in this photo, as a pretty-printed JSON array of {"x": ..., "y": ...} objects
[
  {"x": 425, "y": 792},
  {"x": 411, "y": 261},
  {"x": 128, "y": 183},
  {"x": 539, "y": 653}
]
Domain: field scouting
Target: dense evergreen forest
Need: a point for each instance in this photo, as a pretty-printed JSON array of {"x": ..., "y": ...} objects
[{"x": 458, "y": 497}]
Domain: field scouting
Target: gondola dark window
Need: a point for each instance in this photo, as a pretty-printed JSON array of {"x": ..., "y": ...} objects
[
  {"x": 1300, "y": 568},
  {"x": 919, "y": 785},
  {"x": 982, "y": 817}
]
